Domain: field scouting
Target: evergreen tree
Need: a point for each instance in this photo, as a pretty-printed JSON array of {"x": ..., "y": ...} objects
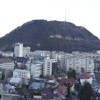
[
  {"x": 85, "y": 92},
  {"x": 73, "y": 72}
]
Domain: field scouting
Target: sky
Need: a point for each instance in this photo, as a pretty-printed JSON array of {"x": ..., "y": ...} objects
[{"x": 14, "y": 13}]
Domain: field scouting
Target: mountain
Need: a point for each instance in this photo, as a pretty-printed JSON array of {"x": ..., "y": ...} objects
[{"x": 51, "y": 35}]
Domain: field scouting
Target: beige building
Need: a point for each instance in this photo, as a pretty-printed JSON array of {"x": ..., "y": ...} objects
[{"x": 79, "y": 61}]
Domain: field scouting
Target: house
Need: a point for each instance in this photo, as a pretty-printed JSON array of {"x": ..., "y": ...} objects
[
  {"x": 37, "y": 85},
  {"x": 21, "y": 73},
  {"x": 65, "y": 81},
  {"x": 86, "y": 78},
  {"x": 16, "y": 81}
]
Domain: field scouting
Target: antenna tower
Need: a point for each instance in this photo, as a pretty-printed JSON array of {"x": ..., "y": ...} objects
[{"x": 65, "y": 15}]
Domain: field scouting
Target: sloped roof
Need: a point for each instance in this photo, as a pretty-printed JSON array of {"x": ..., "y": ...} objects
[
  {"x": 15, "y": 80},
  {"x": 47, "y": 94},
  {"x": 37, "y": 85},
  {"x": 66, "y": 81},
  {"x": 60, "y": 91},
  {"x": 85, "y": 76}
]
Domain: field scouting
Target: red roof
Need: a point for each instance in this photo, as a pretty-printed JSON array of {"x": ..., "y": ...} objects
[
  {"x": 85, "y": 76},
  {"x": 66, "y": 81},
  {"x": 60, "y": 91}
]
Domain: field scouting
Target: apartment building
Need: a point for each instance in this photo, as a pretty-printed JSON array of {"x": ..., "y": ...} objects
[
  {"x": 21, "y": 73},
  {"x": 78, "y": 61},
  {"x": 36, "y": 68},
  {"x": 6, "y": 63},
  {"x": 18, "y": 50},
  {"x": 26, "y": 51},
  {"x": 48, "y": 66}
]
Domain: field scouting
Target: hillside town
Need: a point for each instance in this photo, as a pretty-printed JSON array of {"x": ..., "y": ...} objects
[{"x": 49, "y": 75}]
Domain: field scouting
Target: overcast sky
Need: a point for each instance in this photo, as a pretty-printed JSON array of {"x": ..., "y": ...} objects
[{"x": 14, "y": 13}]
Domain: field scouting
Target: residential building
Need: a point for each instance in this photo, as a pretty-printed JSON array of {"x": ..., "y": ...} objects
[
  {"x": 6, "y": 53},
  {"x": 18, "y": 50},
  {"x": 7, "y": 66},
  {"x": 41, "y": 53},
  {"x": 86, "y": 78},
  {"x": 36, "y": 68},
  {"x": 48, "y": 66},
  {"x": 78, "y": 62},
  {"x": 21, "y": 73},
  {"x": 6, "y": 63},
  {"x": 26, "y": 51},
  {"x": 97, "y": 65}
]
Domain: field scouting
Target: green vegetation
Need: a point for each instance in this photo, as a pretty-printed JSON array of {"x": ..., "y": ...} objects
[
  {"x": 86, "y": 92},
  {"x": 51, "y": 35}
]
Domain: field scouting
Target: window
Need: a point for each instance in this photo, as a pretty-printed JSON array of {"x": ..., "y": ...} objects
[
  {"x": 89, "y": 62},
  {"x": 48, "y": 64}
]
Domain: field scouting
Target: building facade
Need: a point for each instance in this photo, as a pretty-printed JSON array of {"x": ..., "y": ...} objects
[
  {"x": 26, "y": 51},
  {"x": 21, "y": 73},
  {"x": 18, "y": 50},
  {"x": 36, "y": 69},
  {"x": 78, "y": 62},
  {"x": 48, "y": 68}
]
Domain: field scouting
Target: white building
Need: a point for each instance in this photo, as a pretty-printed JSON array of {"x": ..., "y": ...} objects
[
  {"x": 36, "y": 69},
  {"x": 7, "y": 53},
  {"x": 78, "y": 62},
  {"x": 39, "y": 53},
  {"x": 26, "y": 51},
  {"x": 7, "y": 66},
  {"x": 86, "y": 78},
  {"x": 1, "y": 87},
  {"x": 6, "y": 63},
  {"x": 47, "y": 68},
  {"x": 18, "y": 50},
  {"x": 21, "y": 73}
]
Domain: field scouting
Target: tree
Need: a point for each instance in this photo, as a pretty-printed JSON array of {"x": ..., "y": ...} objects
[
  {"x": 69, "y": 73},
  {"x": 68, "y": 90},
  {"x": 3, "y": 75},
  {"x": 85, "y": 92},
  {"x": 73, "y": 72},
  {"x": 16, "y": 65}
]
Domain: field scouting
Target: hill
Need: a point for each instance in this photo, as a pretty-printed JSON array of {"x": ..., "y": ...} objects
[{"x": 51, "y": 35}]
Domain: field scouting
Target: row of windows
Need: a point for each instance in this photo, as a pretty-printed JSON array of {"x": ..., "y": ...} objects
[{"x": 21, "y": 75}]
